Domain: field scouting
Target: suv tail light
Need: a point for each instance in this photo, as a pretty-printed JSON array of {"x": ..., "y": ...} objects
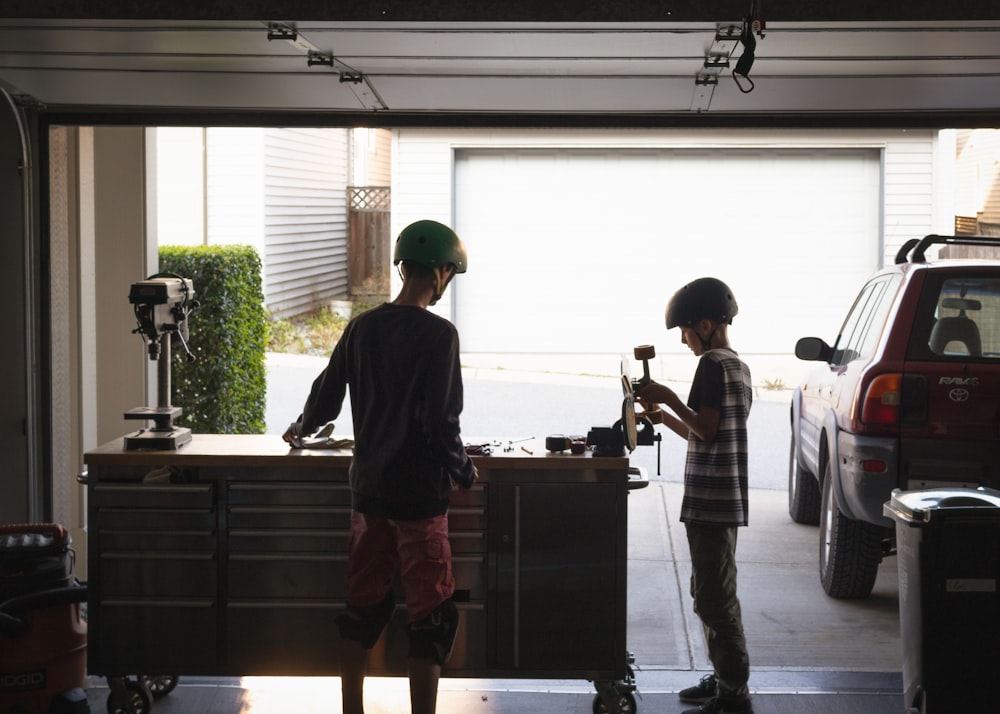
[{"x": 881, "y": 401}]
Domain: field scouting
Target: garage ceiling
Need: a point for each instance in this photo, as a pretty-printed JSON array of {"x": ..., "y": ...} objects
[{"x": 401, "y": 62}]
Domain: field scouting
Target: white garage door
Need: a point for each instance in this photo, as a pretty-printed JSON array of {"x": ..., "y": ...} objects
[{"x": 584, "y": 247}]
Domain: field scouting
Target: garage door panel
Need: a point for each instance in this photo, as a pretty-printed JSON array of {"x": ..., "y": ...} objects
[{"x": 584, "y": 247}]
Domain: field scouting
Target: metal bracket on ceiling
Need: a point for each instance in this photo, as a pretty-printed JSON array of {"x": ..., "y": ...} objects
[
  {"x": 323, "y": 59},
  {"x": 281, "y": 31},
  {"x": 359, "y": 84},
  {"x": 727, "y": 37}
]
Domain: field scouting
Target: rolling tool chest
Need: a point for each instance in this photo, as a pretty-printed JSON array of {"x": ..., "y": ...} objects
[{"x": 227, "y": 557}]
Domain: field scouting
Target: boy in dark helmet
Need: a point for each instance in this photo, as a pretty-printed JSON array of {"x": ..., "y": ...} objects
[
  {"x": 401, "y": 363},
  {"x": 714, "y": 422}
]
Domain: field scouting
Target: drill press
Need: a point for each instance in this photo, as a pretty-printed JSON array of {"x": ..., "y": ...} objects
[{"x": 162, "y": 304}]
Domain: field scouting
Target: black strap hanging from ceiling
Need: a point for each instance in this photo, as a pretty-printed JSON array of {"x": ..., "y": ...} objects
[{"x": 752, "y": 23}]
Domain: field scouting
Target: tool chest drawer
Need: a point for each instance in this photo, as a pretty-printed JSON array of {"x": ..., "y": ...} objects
[
  {"x": 137, "y": 495},
  {"x": 172, "y": 520},
  {"x": 467, "y": 518},
  {"x": 128, "y": 539},
  {"x": 285, "y": 540},
  {"x": 125, "y": 511},
  {"x": 316, "y": 641},
  {"x": 289, "y": 494},
  {"x": 467, "y": 521},
  {"x": 168, "y": 574},
  {"x": 154, "y": 635},
  {"x": 286, "y": 575}
]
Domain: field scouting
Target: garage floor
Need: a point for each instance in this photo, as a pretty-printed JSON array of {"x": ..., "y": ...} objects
[{"x": 808, "y": 653}]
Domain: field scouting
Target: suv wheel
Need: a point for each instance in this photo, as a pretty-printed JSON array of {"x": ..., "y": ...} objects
[
  {"x": 849, "y": 551},
  {"x": 803, "y": 490}
]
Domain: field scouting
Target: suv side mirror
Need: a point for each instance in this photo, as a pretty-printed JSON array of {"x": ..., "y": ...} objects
[{"x": 813, "y": 348}]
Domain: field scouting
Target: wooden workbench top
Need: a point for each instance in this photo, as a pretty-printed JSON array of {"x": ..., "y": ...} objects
[{"x": 269, "y": 449}]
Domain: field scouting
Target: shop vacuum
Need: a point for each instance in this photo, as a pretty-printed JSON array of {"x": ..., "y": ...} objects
[{"x": 43, "y": 633}]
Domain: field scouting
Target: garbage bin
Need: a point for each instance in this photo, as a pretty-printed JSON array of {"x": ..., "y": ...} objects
[{"x": 948, "y": 543}]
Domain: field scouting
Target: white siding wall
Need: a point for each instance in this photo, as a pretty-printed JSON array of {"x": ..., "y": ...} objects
[
  {"x": 282, "y": 191},
  {"x": 372, "y": 157},
  {"x": 909, "y": 190},
  {"x": 379, "y": 162},
  {"x": 235, "y": 197},
  {"x": 306, "y": 218},
  {"x": 180, "y": 189}
]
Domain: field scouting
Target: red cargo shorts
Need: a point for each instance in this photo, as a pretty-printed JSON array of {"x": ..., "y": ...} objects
[{"x": 419, "y": 550}]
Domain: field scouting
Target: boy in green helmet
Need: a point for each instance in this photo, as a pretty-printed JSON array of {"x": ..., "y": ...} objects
[
  {"x": 714, "y": 422},
  {"x": 401, "y": 363}
]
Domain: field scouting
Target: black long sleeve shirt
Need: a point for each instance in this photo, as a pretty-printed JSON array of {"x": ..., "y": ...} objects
[{"x": 402, "y": 366}]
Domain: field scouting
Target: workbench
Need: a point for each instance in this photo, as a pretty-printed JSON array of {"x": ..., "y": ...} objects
[{"x": 227, "y": 557}]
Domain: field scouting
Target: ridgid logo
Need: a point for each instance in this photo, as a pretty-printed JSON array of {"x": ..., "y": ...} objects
[{"x": 22, "y": 680}]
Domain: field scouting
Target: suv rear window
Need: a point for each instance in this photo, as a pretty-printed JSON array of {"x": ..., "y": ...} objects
[{"x": 958, "y": 318}]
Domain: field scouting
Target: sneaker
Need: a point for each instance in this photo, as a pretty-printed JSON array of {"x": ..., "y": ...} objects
[
  {"x": 718, "y": 706},
  {"x": 704, "y": 690}
]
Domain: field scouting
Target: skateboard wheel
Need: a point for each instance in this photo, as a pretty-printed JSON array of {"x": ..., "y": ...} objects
[{"x": 644, "y": 352}]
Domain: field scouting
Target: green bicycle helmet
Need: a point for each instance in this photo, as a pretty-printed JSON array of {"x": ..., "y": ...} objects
[
  {"x": 430, "y": 244},
  {"x": 704, "y": 298}
]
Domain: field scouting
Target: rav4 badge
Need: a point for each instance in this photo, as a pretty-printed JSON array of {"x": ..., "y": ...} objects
[{"x": 964, "y": 381}]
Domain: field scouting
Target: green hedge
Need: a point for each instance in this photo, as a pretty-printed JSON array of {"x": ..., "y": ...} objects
[{"x": 224, "y": 391}]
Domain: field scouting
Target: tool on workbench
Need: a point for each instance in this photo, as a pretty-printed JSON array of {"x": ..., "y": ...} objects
[
  {"x": 644, "y": 353},
  {"x": 646, "y": 434},
  {"x": 162, "y": 304}
]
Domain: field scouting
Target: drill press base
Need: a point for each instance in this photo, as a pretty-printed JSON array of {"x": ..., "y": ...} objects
[
  {"x": 163, "y": 435},
  {"x": 156, "y": 440}
]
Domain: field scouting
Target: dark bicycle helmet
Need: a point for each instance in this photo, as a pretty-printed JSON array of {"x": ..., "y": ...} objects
[
  {"x": 430, "y": 244},
  {"x": 704, "y": 298}
]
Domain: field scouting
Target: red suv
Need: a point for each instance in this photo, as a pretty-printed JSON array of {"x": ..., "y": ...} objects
[{"x": 908, "y": 396}]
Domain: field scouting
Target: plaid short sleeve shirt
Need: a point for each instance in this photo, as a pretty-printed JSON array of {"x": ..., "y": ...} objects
[{"x": 715, "y": 473}]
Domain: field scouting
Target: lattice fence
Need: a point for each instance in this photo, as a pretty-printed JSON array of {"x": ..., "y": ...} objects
[{"x": 369, "y": 198}]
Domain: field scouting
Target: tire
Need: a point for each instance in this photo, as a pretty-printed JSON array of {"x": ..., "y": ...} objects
[
  {"x": 159, "y": 686},
  {"x": 803, "y": 490},
  {"x": 135, "y": 699},
  {"x": 849, "y": 551},
  {"x": 626, "y": 704}
]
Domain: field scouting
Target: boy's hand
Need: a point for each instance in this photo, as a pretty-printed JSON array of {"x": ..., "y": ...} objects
[
  {"x": 654, "y": 393},
  {"x": 293, "y": 435},
  {"x": 466, "y": 485}
]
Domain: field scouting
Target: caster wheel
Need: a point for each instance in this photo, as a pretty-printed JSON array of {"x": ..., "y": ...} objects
[
  {"x": 159, "y": 685},
  {"x": 135, "y": 699},
  {"x": 626, "y": 704}
]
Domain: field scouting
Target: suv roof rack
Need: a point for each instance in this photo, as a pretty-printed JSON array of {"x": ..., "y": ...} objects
[{"x": 920, "y": 245}]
